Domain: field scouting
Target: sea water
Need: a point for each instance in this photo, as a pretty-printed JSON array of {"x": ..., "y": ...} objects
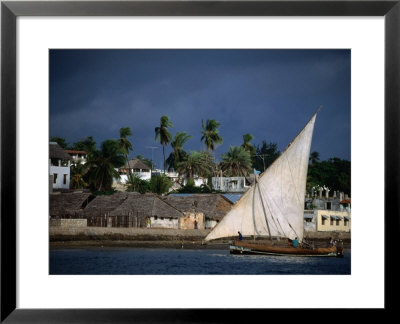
[{"x": 156, "y": 261}]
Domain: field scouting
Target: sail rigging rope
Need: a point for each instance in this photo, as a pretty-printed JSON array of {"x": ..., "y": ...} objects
[
  {"x": 254, "y": 213},
  {"x": 265, "y": 214}
]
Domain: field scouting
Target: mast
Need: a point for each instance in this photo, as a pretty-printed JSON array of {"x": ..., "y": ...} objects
[{"x": 263, "y": 207}]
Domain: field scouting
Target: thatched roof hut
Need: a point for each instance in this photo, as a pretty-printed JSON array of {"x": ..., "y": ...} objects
[
  {"x": 213, "y": 206},
  {"x": 57, "y": 152},
  {"x": 146, "y": 205},
  {"x": 62, "y": 204},
  {"x": 136, "y": 164},
  {"x": 105, "y": 203}
]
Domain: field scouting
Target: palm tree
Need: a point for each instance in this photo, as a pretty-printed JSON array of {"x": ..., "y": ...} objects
[
  {"x": 314, "y": 157},
  {"x": 78, "y": 171},
  {"x": 126, "y": 146},
  {"x": 210, "y": 134},
  {"x": 246, "y": 144},
  {"x": 135, "y": 183},
  {"x": 197, "y": 163},
  {"x": 178, "y": 154},
  {"x": 163, "y": 133},
  {"x": 236, "y": 162},
  {"x": 103, "y": 164}
]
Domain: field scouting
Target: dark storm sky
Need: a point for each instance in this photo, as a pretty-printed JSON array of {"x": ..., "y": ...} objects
[{"x": 268, "y": 93}]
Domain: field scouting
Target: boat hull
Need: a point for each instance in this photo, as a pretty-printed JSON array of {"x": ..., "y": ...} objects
[{"x": 266, "y": 249}]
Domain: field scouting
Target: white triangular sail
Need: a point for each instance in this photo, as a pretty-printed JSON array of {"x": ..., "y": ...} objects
[{"x": 274, "y": 205}]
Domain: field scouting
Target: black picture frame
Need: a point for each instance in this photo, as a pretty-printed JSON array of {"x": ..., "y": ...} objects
[{"x": 10, "y": 10}]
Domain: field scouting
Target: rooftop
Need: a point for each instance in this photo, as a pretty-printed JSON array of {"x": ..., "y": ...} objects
[
  {"x": 136, "y": 164},
  {"x": 57, "y": 152}
]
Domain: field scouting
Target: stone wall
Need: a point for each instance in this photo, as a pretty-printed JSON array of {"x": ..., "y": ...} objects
[
  {"x": 68, "y": 222},
  {"x": 192, "y": 221}
]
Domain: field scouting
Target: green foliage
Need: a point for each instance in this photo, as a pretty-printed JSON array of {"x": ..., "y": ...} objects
[
  {"x": 236, "y": 162},
  {"x": 136, "y": 184},
  {"x": 103, "y": 164},
  {"x": 78, "y": 172},
  {"x": 210, "y": 134},
  {"x": 88, "y": 144},
  {"x": 314, "y": 157},
  {"x": 60, "y": 141},
  {"x": 266, "y": 154},
  {"x": 163, "y": 134},
  {"x": 197, "y": 163},
  {"x": 190, "y": 182},
  {"x": 246, "y": 144},
  {"x": 160, "y": 184},
  {"x": 333, "y": 173},
  {"x": 126, "y": 145},
  {"x": 178, "y": 154}
]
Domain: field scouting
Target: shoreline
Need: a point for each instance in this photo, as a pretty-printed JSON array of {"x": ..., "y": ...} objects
[
  {"x": 136, "y": 244},
  {"x": 78, "y": 237}
]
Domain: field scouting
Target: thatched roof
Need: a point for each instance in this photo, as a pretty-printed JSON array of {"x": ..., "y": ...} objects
[
  {"x": 136, "y": 164},
  {"x": 57, "y": 152},
  {"x": 67, "y": 203},
  {"x": 106, "y": 203},
  {"x": 213, "y": 206},
  {"x": 146, "y": 205}
]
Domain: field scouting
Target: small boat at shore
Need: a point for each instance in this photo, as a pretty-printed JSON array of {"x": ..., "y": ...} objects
[{"x": 273, "y": 207}]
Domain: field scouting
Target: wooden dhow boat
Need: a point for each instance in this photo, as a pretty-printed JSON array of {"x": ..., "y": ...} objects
[{"x": 273, "y": 207}]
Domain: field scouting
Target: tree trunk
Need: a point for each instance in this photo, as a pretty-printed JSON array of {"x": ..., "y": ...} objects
[{"x": 163, "y": 152}]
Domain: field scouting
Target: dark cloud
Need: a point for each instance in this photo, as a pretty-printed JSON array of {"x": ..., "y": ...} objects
[{"x": 269, "y": 93}]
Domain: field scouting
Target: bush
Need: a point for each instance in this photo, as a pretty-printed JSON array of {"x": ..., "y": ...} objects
[{"x": 160, "y": 184}]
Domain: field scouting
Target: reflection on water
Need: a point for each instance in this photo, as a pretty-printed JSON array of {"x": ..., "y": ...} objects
[{"x": 142, "y": 261}]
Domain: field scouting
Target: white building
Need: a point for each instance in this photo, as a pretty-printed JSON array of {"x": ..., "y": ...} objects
[
  {"x": 136, "y": 167},
  {"x": 181, "y": 180},
  {"x": 59, "y": 166},
  {"x": 78, "y": 156},
  {"x": 231, "y": 184}
]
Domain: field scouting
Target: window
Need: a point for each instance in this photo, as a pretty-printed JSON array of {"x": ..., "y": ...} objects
[
  {"x": 346, "y": 221},
  {"x": 331, "y": 221},
  {"x": 323, "y": 221},
  {"x": 55, "y": 178},
  {"x": 328, "y": 205},
  {"x": 337, "y": 222},
  {"x": 65, "y": 179},
  {"x": 155, "y": 217},
  {"x": 308, "y": 218}
]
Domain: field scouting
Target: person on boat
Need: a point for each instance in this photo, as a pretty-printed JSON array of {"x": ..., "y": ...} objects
[
  {"x": 240, "y": 236},
  {"x": 331, "y": 242},
  {"x": 295, "y": 242}
]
